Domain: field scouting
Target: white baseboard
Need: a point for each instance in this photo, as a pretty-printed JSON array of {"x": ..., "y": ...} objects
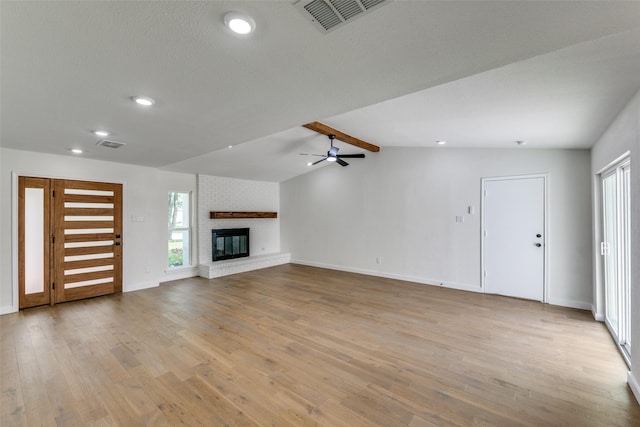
[
  {"x": 414, "y": 279},
  {"x": 140, "y": 286},
  {"x": 580, "y": 305},
  {"x": 177, "y": 274},
  {"x": 8, "y": 309},
  {"x": 634, "y": 385},
  {"x": 433, "y": 282},
  {"x": 597, "y": 316}
]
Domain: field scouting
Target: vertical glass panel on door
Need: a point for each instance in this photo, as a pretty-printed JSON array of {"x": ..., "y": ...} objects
[
  {"x": 243, "y": 244},
  {"x": 610, "y": 249},
  {"x": 34, "y": 240}
]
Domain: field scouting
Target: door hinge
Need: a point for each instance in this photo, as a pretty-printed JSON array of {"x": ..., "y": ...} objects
[
  {"x": 53, "y": 286},
  {"x": 53, "y": 239},
  {"x": 605, "y": 248},
  {"x": 53, "y": 193}
]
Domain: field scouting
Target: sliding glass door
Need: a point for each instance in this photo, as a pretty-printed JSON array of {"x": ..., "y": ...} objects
[{"x": 615, "y": 249}]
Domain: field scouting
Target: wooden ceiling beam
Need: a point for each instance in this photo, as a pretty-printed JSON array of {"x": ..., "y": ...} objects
[{"x": 341, "y": 136}]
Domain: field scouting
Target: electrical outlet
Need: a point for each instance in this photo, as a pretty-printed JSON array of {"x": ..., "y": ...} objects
[{"x": 378, "y": 260}]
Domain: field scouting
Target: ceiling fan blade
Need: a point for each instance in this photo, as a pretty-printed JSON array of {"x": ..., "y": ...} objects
[
  {"x": 351, "y": 156},
  {"x": 307, "y": 154},
  {"x": 341, "y": 162},
  {"x": 321, "y": 160}
]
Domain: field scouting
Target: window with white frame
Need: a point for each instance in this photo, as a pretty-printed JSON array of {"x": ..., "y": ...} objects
[{"x": 179, "y": 236}]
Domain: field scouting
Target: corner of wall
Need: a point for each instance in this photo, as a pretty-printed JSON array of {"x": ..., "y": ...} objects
[
  {"x": 580, "y": 305},
  {"x": 599, "y": 317},
  {"x": 8, "y": 309}
]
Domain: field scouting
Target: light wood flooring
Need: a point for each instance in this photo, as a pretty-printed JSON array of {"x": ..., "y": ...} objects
[{"x": 301, "y": 346}]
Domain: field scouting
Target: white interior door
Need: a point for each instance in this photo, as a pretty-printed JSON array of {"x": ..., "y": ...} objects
[{"x": 513, "y": 236}]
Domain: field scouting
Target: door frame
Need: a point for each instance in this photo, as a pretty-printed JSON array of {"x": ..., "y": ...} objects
[
  {"x": 600, "y": 295},
  {"x": 483, "y": 216},
  {"x": 14, "y": 228},
  {"x": 598, "y": 264}
]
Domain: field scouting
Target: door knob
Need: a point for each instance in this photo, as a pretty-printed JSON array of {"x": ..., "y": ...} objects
[
  {"x": 538, "y": 235},
  {"x": 538, "y": 245}
]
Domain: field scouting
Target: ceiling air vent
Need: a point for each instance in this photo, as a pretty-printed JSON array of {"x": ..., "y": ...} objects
[
  {"x": 110, "y": 144},
  {"x": 327, "y": 15}
]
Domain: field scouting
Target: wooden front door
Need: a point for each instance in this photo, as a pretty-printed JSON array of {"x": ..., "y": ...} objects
[{"x": 83, "y": 250}]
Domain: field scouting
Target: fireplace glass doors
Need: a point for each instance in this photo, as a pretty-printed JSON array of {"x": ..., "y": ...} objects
[{"x": 230, "y": 243}]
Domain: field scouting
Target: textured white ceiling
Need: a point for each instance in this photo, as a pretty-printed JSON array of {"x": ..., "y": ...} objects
[{"x": 477, "y": 73}]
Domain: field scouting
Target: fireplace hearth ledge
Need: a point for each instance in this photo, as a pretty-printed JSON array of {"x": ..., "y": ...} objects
[{"x": 215, "y": 269}]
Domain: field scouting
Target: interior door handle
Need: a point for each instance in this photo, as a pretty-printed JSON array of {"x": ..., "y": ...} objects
[{"x": 538, "y": 245}]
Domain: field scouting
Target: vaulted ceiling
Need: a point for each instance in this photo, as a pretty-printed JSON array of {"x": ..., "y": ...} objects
[{"x": 474, "y": 73}]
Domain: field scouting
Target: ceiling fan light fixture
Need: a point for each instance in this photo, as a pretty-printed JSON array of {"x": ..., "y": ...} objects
[{"x": 331, "y": 158}]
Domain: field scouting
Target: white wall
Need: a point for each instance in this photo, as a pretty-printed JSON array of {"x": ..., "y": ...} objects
[
  {"x": 401, "y": 204},
  {"x": 230, "y": 194},
  {"x": 145, "y": 195},
  {"x": 623, "y": 135}
]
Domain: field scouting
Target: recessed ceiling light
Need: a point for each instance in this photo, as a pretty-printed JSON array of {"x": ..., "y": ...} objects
[
  {"x": 145, "y": 101},
  {"x": 239, "y": 23},
  {"x": 231, "y": 146},
  {"x": 101, "y": 133},
  {"x": 75, "y": 150},
  {"x": 521, "y": 142},
  {"x": 441, "y": 142}
]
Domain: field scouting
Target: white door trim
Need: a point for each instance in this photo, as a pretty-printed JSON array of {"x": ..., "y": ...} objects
[{"x": 547, "y": 239}]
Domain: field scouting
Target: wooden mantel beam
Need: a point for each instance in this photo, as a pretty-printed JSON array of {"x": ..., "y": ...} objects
[
  {"x": 341, "y": 136},
  {"x": 234, "y": 215}
]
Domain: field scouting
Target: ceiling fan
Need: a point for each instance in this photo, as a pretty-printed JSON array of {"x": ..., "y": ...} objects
[{"x": 333, "y": 156}]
